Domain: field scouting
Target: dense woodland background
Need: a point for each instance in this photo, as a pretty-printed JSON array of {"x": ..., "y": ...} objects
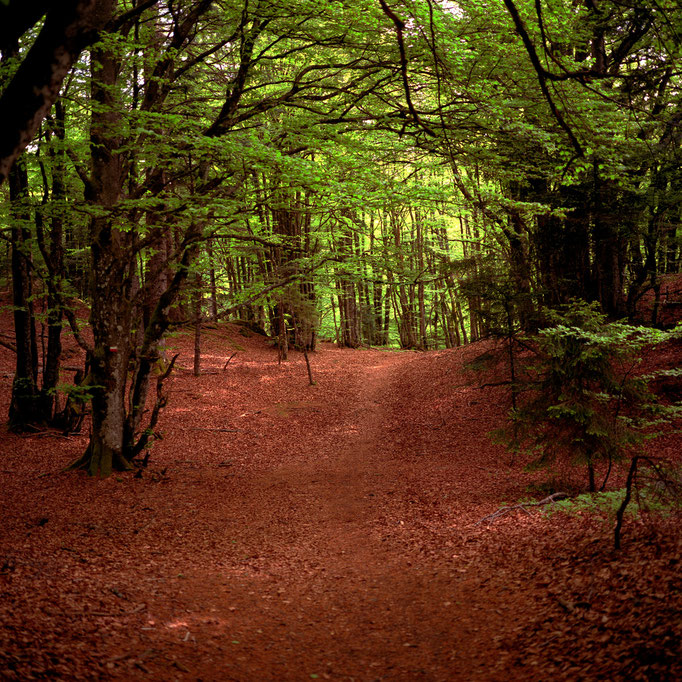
[
  {"x": 419, "y": 174},
  {"x": 197, "y": 195}
]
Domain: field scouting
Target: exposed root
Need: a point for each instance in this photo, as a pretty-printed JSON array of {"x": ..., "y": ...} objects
[{"x": 102, "y": 462}]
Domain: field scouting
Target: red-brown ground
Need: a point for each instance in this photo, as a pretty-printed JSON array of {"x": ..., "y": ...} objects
[{"x": 292, "y": 532}]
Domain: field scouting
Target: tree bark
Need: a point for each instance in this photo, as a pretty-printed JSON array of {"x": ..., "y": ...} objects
[
  {"x": 52, "y": 250},
  {"x": 69, "y": 26},
  {"x": 197, "y": 324},
  {"x": 110, "y": 316},
  {"x": 24, "y": 405}
]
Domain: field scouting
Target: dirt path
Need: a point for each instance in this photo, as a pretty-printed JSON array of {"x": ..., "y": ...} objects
[
  {"x": 293, "y": 532},
  {"x": 330, "y": 594},
  {"x": 272, "y": 539}
]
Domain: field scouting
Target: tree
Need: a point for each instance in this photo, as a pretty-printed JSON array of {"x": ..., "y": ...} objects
[
  {"x": 32, "y": 90},
  {"x": 558, "y": 135},
  {"x": 399, "y": 172},
  {"x": 585, "y": 401},
  {"x": 136, "y": 179}
]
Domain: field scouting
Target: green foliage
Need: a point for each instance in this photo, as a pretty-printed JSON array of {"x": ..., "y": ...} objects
[
  {"x": 79, "y": 393},
  {"x": 584, "y": 400},
  {"x": 657, "y": 491},
  {"x": 272, "y": 144},
  {"x": 604, "y": 503}
]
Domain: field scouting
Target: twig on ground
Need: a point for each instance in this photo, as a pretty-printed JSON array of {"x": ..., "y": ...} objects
[
  {"x": 491, "y": 518},
  {"x": 9, "y": 346},
  {"x": 494, "y": 384},
  {"x": 202, "y": 373},
  {"x": 52, "y": 434},
  {"x": 228, "y": 360}
]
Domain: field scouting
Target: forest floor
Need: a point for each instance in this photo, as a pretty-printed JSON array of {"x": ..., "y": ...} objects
[{"x": 284, "y": 531}]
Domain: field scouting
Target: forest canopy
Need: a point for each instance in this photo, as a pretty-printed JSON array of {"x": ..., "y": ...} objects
[{"x": 419, "y": 173}]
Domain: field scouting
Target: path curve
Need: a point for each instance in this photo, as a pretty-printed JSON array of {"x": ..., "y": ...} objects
[{"x": 330, "y": 591}]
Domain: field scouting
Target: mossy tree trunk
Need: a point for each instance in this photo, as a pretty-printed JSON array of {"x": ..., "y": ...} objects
[{"x": 110, "y": 277}]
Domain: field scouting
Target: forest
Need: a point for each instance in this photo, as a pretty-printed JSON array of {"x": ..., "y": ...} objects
[{"x": 252, "y": 245}]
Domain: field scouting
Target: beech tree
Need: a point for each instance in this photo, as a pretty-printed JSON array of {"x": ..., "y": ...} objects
[
  {"x": 584, "y": 99},
  {"x": 145, "y": 193},
  {"x": 31, "y": 83},
  {"x": 400, "y": 172},
  {"x": 34, "y": 86}
]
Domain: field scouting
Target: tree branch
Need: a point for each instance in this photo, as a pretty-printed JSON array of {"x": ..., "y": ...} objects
[
  {"x": 543, "y": 75},
  {"x": 491, "y": 518},
  {"x": 399, "y": 26},
  {"x": 69, "y": 27}
]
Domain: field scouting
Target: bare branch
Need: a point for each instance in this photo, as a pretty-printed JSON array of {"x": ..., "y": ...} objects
[{"x": 491, "y": 518}]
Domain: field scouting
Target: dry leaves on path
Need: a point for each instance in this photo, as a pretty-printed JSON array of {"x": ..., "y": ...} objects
[{"x": 289, "y": 532}]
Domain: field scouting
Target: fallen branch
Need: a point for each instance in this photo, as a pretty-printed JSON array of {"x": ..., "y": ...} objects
[
  {"x": 228, "y": 360},
  {"x": 9, "y": 346},
  {"x": 202, "y": 373},
  {"x": 491, "y": 518},
  {"x": 494, "y": 384},
  {"x": 52, "y": 434}
]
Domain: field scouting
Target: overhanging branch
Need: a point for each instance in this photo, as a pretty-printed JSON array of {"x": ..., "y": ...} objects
[
  {"x": 542, "y": 75},
  {"x": 399, "y": 26}
]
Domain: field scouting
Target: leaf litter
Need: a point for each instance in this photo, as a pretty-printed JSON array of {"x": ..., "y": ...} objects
[{"x": 284, "y": 531}]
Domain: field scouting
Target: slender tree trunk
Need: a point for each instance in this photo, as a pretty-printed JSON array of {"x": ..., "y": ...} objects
[
  {"x": 462, "y": 324},
  {"x": 53, "y": 256},
  {"x": 282, "y": 341},
  {"x": 213, "y": 289},
  {"x": 197, "y": 325},
  {"x": 620, "y": 514},
  {"x": 608, "y": 247},
  {"x": 387, "y": 316},
  {"x": 24, "y": 405},
  {"x": 421, "y": 291},
  {"x": 337, "y": 337}
]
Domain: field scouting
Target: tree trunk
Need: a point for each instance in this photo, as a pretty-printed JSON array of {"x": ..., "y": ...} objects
[
  {"x": 53, "y": 256},
  {"x": 108, "y": 375},
  {"x": 520, "y": 271},
  {"x": 24, "y": 405},
  {"x": 387, "y": 316},
  {"x": 110, "y": 315},
  {"x": 608, "y": 248},
  {"x": 197, "y": 325},
  {"x": 213, "y": 289}
]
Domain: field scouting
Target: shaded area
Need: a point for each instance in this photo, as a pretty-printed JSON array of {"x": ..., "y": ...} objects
[{"x": 284, "y": 531}]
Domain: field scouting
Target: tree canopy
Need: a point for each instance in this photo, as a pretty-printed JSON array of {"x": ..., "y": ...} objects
[{"x": 414, "y": 172}]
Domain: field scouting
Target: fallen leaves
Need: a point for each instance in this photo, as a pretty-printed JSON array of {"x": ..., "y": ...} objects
[{"x": 334, "y": 531}]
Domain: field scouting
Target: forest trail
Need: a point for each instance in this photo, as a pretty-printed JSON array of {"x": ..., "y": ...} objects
[
  {"x": 293, "y": 532},
  {"x": 331, "y": 594}
]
